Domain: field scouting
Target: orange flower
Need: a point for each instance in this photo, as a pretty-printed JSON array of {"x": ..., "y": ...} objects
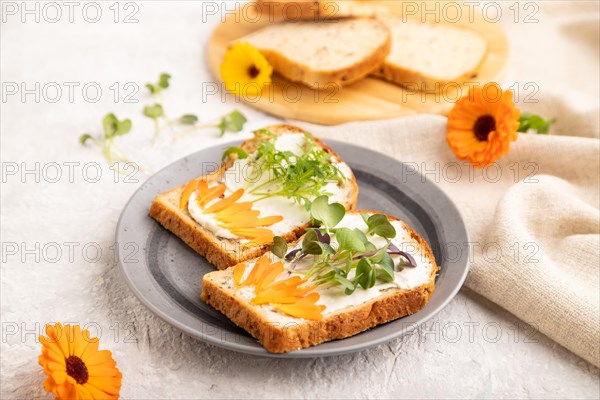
[
  {"x": 238, "y": 218},
  {"x": 482, "y": 124},
  {"x": 291, "y": 296},
  {"x": 76, "y": 369}
]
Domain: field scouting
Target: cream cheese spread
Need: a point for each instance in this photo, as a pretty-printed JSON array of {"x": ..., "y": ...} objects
[
  {"x": 244, "y": 174},
  {"x": 334, "y": 298}
]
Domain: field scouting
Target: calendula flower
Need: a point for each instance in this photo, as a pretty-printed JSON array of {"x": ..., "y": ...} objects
[
  {"x": 76, "y": 369},
  {"x": 482, "y": 124},
  {"x": 245, "y": 70},
  {"x": 292, "y": 296}
]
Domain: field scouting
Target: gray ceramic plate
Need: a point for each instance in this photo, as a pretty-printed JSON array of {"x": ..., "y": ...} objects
[{"x": 166, "y": 275}]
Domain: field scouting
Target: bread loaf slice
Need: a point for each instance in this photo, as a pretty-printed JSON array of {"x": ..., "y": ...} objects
[
  {"x": 320, "y": 54},
  {"x": 427, "y": 56},
  {"x": 223, "y": 251},
  {"x": 315, "y": 10},
  {"x": 344, "y": 315}
]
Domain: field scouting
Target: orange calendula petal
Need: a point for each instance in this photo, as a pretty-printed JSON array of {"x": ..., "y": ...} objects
[
  {"x": 240, "y": 217},
  {"x": 267, "y": 238},
  {"x": 212, "y": 194},
  {"x": 250, "y": 232},
  {"x": 256, "y": 271},
  {"x": 285, "y": 291},
  {"x": 269, "y": 275},
  {"x": 234, "y": 209},
  {"x": 238, "y": 273},
  {"x": 285, "y": 295},
  {"x": 245, "y": 223},
  {"x": 187, "y": 192},
  {"x": 269, "y": 220},
  {"x": 278, "y": 297},
  {"x": 202, "y": 187},
  {"x": 306, "y": 311},
  {"x": 226, "y": 202},
  {"x": 292, "y": 281}
]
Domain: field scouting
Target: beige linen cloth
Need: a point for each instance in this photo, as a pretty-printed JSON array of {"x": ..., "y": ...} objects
[{"x": 533, "y": 220}]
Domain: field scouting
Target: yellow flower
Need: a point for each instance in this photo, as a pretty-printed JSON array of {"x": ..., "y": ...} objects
[
  {"x": 76, "y": 369},
  {"x": 245, "y": 70},
  {"x": 482, "y": 124}
]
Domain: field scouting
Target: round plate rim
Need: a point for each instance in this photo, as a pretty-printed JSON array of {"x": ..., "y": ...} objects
[{"x": 312, "y": 352}]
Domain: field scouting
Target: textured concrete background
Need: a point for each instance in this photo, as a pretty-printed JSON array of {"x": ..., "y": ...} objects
[{"x": 471, "y": 349}]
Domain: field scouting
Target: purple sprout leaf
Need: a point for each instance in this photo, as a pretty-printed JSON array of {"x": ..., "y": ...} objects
[
  {"x": 323, "y": 238},
  {"x": 290, "y": 256},
  {"x": 392, "y": 249}
]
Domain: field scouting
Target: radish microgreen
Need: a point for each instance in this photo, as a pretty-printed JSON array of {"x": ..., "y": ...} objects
[
  {"x": 231, "y": 122},
  {"x": 344, "y": 256},
  {"x": 163, "y": 83},
  {"x": 113, "y": 128}
]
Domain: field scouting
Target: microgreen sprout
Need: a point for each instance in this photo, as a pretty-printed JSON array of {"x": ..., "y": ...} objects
[
  {"x": 231, "y": 122},
  {"x": 301, "y": 177},
  {"x": 113, "y": 128},
  {"x": 344, "y": 256},
  {"x": 163, "y": 83}
]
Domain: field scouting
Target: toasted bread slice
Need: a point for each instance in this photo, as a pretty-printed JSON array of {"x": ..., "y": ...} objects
[
  {"x": 316, "y": 10},
  {"x": 221, "y": 251},
  {"x": 322, "y": 54},
  {"x": 355, "y": 313},
  {"x": 428, "y": 56}
]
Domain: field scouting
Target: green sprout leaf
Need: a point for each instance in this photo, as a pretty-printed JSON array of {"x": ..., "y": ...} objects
[
  {"x": 380, "y": 225},
  {"x": 368, "y": 245},
  {"x": 328, "y": 214},
  {"x": 154, "y": 111},
  {"x": 232, "y": 122},
  {"x": 365, "y": 274},
  {"x": 109, "y": 124},
  {"x": 85, "y": 137},
  {"x": 163, "y": 80},
  {"x": 279, "y": 247},
  {"x": 533, "y": 122},
  {"x": 384, "y": 260},
  {"x": 188, "y": 119},
  {"x": 112, "y": 127},
  {"x": 163, "y": 83},
  {"x": 348, "y": 239},
  {"x": 346, "y": 283},
  {"x": 312, "y": 245},
  {"x": 234, "y": 150}
]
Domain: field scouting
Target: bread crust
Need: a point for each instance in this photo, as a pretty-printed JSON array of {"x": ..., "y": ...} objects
[
  {"x": 321, "y": 80},
  {"x": 415, "y": 80},
  {"x": 393, "y": 304},
  {"x": 296, "y": 71},
  {"x": 316, "y": 10},
  {"x": 222, "y": 252}
]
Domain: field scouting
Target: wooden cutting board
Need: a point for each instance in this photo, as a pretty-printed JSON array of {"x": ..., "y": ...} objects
[{"x": 370, "y": 98}]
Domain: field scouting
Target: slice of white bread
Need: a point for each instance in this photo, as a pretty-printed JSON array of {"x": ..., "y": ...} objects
[
  {"x": 315, "y": 10},
  {"x": 427, "y": 56},
  {"x": 220, "y": 251},
  {"x": 280, "y": 333},
  {"x": 320, "y": 54}
]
